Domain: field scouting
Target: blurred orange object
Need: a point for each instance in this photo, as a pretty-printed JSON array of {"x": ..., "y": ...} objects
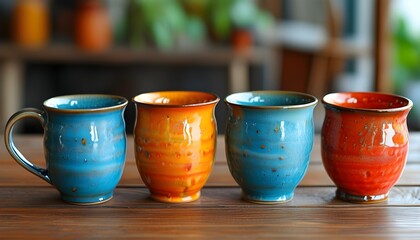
[
  {"x": 92, "y": 26},
  {"x": 30, "y": 23},
  {"x": 241, "y": 40}
]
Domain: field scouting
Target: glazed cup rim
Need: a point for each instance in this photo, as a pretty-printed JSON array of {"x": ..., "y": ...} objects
[
  {"x": 121, "y": 102},
  {"x": 326, "y": 100},
  {"x": 213, "y": 99},
  {"x": 275, "y": 92}
]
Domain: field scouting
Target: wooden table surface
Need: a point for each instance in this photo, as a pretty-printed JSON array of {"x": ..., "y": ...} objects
[{"x": 30, "y": 208}]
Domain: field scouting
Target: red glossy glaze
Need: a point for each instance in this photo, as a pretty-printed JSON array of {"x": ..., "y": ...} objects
[{"x": 364, "y": 143}]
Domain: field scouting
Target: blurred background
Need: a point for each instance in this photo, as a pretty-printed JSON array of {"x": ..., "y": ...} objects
[{"x": 127, "y": 47}]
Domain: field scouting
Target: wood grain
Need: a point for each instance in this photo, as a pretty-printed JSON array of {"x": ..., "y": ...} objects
[
  {"x": 30, "y": 208},
  {"x": 314, "y": 212}
]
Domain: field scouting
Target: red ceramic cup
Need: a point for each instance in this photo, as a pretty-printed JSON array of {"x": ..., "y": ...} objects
[{"x": 364, "y": 143}]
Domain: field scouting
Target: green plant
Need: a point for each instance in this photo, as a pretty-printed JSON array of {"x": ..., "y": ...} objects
[{"x": 406, "y": 55}]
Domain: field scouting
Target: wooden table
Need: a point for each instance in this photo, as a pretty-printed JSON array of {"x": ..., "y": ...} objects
[{"x": 30, "y": 208}]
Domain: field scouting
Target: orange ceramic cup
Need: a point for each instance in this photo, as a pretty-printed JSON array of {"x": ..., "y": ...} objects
[
  {"x": 175, "y": 142},
  {"x": 364, "y": 143}
]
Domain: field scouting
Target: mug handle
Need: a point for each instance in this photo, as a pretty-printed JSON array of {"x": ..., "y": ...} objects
[{"x": 10, "y": 145}]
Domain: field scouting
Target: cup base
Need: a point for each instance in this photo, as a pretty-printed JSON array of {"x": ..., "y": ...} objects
[
  {"x": 267, "y": 200},
  {"x": 340, "y": 194},
  {"x": 88, "y": 200},
  {"x": 175, "y": 199}
]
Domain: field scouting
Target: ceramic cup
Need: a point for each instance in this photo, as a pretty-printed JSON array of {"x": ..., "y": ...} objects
[
  {"x": 84, "y": 145},
  {"x": 269, "y": 137},
  {"x": 175, "y": 141},
  {"x": 364, "y": 143}
]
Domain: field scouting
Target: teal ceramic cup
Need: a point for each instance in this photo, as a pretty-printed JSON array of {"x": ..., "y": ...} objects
[
  {"x": 269, "y": 137},
  {"x": 84, "y": 145}
]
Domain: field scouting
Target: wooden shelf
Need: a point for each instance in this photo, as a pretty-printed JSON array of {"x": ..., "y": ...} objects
[
  {"x": 13, "y": 60},
  {"x": 123, "y": 55}
]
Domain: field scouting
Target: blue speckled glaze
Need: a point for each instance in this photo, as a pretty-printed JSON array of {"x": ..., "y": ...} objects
[
  {"x": 85, "y": 145},
  {"x": 269, "y": 138}
]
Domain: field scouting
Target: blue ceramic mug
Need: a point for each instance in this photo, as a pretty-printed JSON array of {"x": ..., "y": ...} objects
[
  {"x": 84, "y": 145},
  {"x": 269, "y": 137}
]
